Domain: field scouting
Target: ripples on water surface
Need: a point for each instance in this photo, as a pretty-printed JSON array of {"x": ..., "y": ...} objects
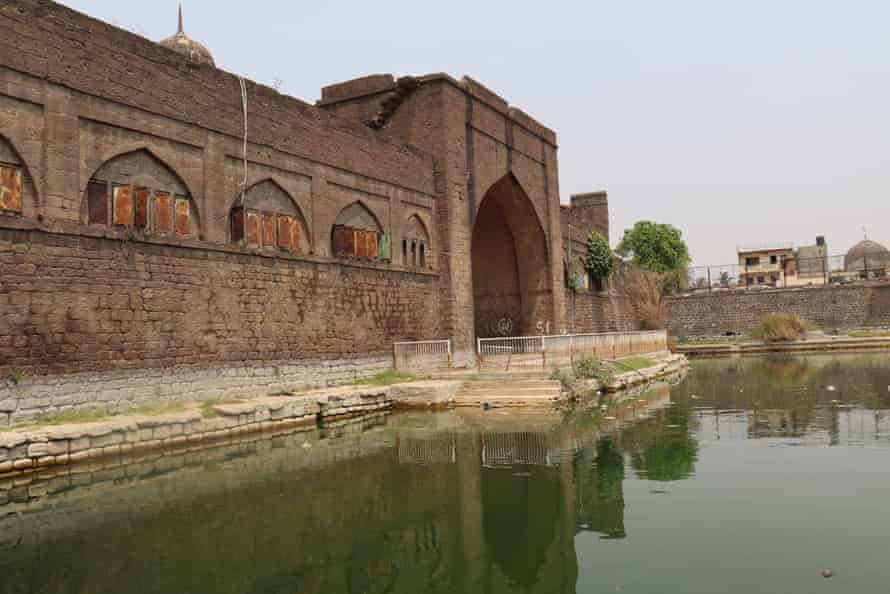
[{"x": 749, "y": 476}]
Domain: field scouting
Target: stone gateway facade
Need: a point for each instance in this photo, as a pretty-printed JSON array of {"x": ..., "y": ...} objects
[{"x": 163, "y": 218}]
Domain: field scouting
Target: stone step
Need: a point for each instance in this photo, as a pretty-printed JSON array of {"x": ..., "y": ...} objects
[
  {"x": 535, "y": 384},
  {"x": 513, "y": 391}
]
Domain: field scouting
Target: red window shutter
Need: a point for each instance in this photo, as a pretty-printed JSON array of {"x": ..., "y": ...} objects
[
  {"x": 237, "y": 225},
  {"x": 97, "y": 202},
  {"x": 141, "y": 208}
]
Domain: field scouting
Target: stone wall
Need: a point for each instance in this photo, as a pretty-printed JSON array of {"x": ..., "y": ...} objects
[
  {"x": 608, "y": 311},
  {"x": 132, "y": 322},
  {"x": 830, "y": 308}
]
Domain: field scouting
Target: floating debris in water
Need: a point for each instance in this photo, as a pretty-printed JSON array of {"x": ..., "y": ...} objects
[
  {"x": 694, "y": 397},
  {"x": 522, "y": 474},
  {"x": 610, "y": 418},
  {"x": 306, "y": 445},
  {"x": 659, "y": 492},
  {"x": 673, "y": 426},
  {"x": 830, "y": 388},
  {"x": 827, "y": 573}
]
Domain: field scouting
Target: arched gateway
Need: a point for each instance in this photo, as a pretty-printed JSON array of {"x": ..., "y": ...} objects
[{"x": 511, "y": 269}]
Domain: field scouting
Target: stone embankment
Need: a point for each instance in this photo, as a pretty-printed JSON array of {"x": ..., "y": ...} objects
[
  {"x": 715, "y": 349},
  {"x": 30, "y": 450},
  {"x": 36, "y": 449}
]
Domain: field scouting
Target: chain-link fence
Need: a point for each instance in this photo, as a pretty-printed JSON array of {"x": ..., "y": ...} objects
[{"x": 769, "y": 271}]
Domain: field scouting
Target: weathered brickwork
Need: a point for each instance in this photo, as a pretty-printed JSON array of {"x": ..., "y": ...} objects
[
  {"x": 146, "y": 239},
  {"x": 601, "y": 312},
  {"x": 830, "y": 308}
]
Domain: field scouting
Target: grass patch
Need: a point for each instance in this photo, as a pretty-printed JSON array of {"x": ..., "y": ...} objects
[
  {"x": 71, "y": 417},
  {"x": 207, "y": 410},
  {"x": 781, "y": 327},
  {"x": 153, "y": 410},
  {"x": 387, "y": 378},
  {"x": 635, "y": 363},
  {"x": 870, "y": 334},
  {"x": 705, "y": 341},
  {"x": 590, "y": 368}
]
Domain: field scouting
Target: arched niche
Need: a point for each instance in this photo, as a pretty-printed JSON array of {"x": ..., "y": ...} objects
[
  {"x": 137, "y": 190},
  {"x": 511, "y": 266},
  {"x": 415, "y": 244},
  {"x": 358, "y": 234},
  {"x": 17, "y": 193},
  {"x": 266, "y": 216}
]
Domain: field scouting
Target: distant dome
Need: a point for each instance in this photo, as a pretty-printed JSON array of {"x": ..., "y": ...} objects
[
  {"x": 867, "y": 254},
  {"x": 191, "y": 49}
]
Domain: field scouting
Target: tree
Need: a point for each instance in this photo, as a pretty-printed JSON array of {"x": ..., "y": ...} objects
[
  {"x": 599, "y": 259},
  {"x": 655, "y": 246}
]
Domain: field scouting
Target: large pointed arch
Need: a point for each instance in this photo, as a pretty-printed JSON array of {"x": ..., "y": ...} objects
[
  {"x": 511, "y": 266},
  {"x": 138, "y": 188}
]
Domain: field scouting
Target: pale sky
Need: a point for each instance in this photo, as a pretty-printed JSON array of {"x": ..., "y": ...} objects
[{"x": 738, "y": 122}]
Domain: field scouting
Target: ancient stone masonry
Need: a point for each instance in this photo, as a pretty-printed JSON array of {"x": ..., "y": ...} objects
[
  {"x": 830, "y": 308},
  {"x": 140, "y": 230}
]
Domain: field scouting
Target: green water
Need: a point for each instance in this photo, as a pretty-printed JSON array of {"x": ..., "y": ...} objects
[{"x": 748, "y": 476}]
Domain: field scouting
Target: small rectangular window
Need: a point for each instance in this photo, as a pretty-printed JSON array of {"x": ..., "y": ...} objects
[
  {"x": 296, "y": 235},
  {"x": 284, "y": 232},
  {"x": 123, "y": 205},
  {"x": 383, "y": 247},
  {"x": 97, "y": 202},
  {"x": 236, "y": 225},
  {"x": 422, "y": 255},
  {"x": 10, "y": 189},
  {"x": 253, "y": 229},
  {"x": 163, "y": 213},
  {"x": 405, "y": 252},
  {"x": 183, "y": 219},
  {"x": 414, "y": 252},
  {"x": 752, "y": 261},
  {"x": 340, "y": 240},
  {"x": 773, "y": 259},
  {"x": 141, "y": 214},
  {"x": 268, "y": 230}
]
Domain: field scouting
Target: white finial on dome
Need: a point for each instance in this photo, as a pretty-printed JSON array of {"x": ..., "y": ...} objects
[{"x": 191, "y": 49}]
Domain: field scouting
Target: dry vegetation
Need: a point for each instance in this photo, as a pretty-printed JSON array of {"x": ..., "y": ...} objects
[
  {"x": 646, "y": 291},
  {"x": 781, "y": 327}
]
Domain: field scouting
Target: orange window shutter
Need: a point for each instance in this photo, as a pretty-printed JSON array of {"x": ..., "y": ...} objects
[
  {"x": 183, "y": 216},
  {"x": 10, "y": 189},
  {"x": 295, "y": 233},
  {"x": 123, "y": 205},
  {"x": 284, "y": 232},
  {"x": 253, "y": 229},
  {"x": 268, "y": 230},
  {"x": 163, "y": 222}
]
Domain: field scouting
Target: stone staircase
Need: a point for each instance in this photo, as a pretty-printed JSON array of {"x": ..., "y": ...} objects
[{"x": 508, "y": 390}]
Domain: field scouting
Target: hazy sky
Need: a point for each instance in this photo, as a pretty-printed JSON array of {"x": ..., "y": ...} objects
[{"x": 738, "y": 122}]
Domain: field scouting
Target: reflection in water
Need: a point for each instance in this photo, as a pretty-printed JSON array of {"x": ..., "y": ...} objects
[{"x": 489, "y": 501}]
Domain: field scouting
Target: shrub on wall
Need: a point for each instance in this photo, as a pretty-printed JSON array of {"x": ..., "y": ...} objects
[
  {"x": 599, "y": 259},
  {"x": 781, "y": 327}
]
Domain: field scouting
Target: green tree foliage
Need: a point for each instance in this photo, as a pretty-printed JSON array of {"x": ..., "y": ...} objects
[
  {"x": 599, "y": 259},
  {"x": 655, "y": 246}
]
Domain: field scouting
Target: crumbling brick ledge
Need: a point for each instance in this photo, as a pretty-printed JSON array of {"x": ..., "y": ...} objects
[{"x": 27, "y": 451}]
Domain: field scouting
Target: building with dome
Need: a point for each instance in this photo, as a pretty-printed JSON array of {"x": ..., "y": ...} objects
[
  {"x": 184, "y": 45},
  {"x": 160, "y": 213},
  {"x": 867, "y": 259}
]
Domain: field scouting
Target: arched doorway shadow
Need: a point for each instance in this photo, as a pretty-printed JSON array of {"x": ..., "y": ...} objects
[{"x": 511, "y": 269}]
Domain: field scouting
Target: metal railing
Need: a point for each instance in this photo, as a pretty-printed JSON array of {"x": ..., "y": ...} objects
[
  {"x": 421, "y": 355},
  {"x": 530, "y": 353}
]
